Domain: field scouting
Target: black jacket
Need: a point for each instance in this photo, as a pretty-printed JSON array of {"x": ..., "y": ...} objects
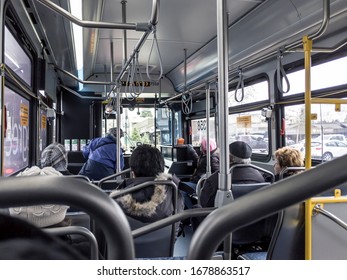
[{"x": 244, "y": 175}]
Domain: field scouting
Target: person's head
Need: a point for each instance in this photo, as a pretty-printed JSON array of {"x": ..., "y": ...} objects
[
  {"x": 287, "y": 157},
  {"x": 203, "y": 146},
  {"x": 113, "y": 131},
  {"x": 240, "y": 152},
  {"x": 54, "y": 155},
  {"x": 146, "y": 161}
]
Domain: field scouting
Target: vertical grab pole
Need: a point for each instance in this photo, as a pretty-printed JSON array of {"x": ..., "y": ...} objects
[
  {"x": 307, "y": 51},
  {"x": 223, "y": 195},
  {"x": 208, "y": 152}
]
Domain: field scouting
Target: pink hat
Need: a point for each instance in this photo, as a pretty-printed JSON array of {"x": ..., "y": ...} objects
[{"x": 213, "y": 145}]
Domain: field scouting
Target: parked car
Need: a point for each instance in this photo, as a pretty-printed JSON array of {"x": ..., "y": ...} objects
[
  {"x": 256, "y": 142},
  {"x": 329, "y": 150},
  {"x": 329, "y": 137}
]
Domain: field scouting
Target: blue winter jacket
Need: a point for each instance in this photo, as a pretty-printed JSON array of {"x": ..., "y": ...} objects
[{"x": 102, "y": 158}]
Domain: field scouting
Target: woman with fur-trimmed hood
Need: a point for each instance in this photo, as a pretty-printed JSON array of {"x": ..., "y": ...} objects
[{"x": 152, "y": 203}]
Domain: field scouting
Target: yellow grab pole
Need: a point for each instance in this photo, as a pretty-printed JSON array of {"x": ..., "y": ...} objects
[{"x": 307, "y": 51}]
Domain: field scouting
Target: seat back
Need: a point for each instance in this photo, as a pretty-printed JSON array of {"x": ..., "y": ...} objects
[
  {"x": 75, "y": 161},
  {"x": 62, "y": 190},
  {"x": 259, "y": 232},
  {"x": 75, "y": 232},
  {"x": 155, "y": 244},
  {"x": 290, "y": 169},
  {"x": 111, "y": 182},
  {"x": 182, "y": 169},
  {"x": 288, "y": 241}
]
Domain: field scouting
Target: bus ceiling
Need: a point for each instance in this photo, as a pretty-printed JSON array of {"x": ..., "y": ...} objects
[{"x": 153, "y": 36}]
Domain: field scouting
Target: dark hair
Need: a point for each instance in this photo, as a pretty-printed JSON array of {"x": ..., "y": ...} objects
[
  {"x": 113, "y": 131},
  {"x": 146, "y": 161}
]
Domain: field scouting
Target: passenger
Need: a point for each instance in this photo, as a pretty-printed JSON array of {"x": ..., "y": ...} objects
[
  {"x": 152, "y": 203},
  {"x": 201, "y": 167},
  {"x": 102, "y": 156},
  {"x": 201, "y": 161},
  {"x": 240, "y": 153},
  {"x": 55, "y": 156},
  {"x": 287, "y": 157}
]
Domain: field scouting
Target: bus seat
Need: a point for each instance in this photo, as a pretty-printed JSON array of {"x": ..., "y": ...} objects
[
  {"x": 288, "y": 170},
  {"x": 154, "y": 244},
  {"x": 182, "y": 169},
  {"x": 75, "y": 233},
  {"x": 79, "y": 218},
  {"x": 21, "y": 240},
  {"x": 288, "y": 239},
  {"x": 162, "y": 239},
  {"x": 110, "y": 182},
  {"x": 258, "y": 233},
  {"x": 31, "y": 190},
  {"x": 75, "y": 161}
]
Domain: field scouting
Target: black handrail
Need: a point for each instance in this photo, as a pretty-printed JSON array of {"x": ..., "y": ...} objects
[{"x": 35, "y": 190}]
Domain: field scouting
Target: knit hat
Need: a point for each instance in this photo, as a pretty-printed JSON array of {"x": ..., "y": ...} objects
[
  {"x": 213, "y": 145},
  {"x": 40, "y": 215},
  {"x": 240, "y": 149},
  {"x": 54, "y": 155},
  {"x": 113, "y": 131}
]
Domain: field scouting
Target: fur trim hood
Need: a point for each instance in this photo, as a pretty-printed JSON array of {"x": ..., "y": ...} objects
[{"x": 146, "y": 202}]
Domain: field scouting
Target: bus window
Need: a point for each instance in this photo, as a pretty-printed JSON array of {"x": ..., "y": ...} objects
[
  {"x": 252, "y": 93},
  {"x": 329, "y": 130},
  {"x": 163, "y": 126},
  {"x": 251, "y": 128},
  {"x": 324, "y": 75},
  {"x": 16, "y": 58},
  {"x": 16, "y": 142},
  {"x": 199, "y": 130}
]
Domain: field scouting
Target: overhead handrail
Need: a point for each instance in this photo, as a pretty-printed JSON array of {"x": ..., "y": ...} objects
[
  {"x": 318, "y": 209},
  {"x": 186, "y": 99},
  {"x": 78, "y": 79},
  {"x": 293, "y": 47},
  {"x": 95, "y": 24},
  {"x": 69, "y": 230},
  {"x": 241, "y": 85},
  {"x": 187, "y": 103},
  {"x": 280, "y": 72},
  {"x": 153, "y": 22},
  {"x": 154, "y": 43},
  {"x": 145, "y": 27},
  {"x": 257, "y": 205},
  {"x": 34, "y": 190}
]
